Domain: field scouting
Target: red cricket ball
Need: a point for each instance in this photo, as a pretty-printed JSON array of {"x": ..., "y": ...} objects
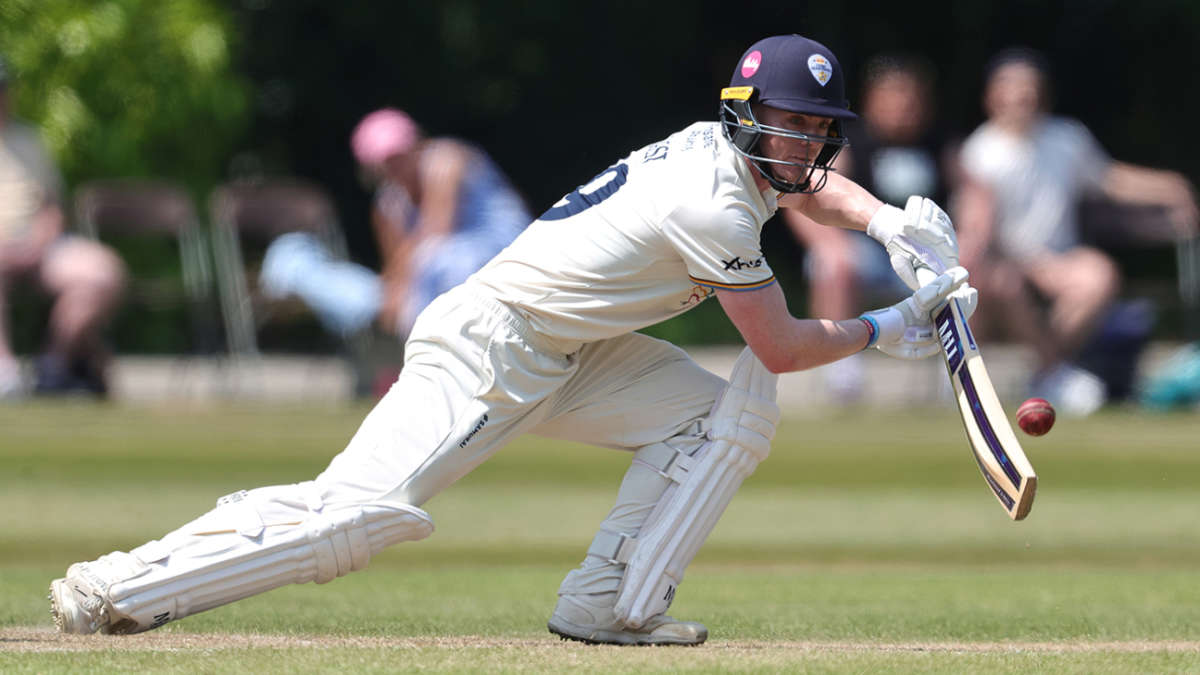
[{"x": 1035, "y": 416}]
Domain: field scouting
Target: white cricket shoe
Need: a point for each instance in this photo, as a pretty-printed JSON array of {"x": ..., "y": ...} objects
[
  {"x": 79, "y": 602},
  {"x": 76, "y": 607},
  {"x": 589, "y": 618}
]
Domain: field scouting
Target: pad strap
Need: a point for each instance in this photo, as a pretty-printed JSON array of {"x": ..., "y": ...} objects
[
  {"x": 613, "y": 547},
  {"x": 667, "y": 461}
]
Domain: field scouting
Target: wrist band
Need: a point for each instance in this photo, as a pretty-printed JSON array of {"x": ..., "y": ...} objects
[{"x": 872, "y": 329}]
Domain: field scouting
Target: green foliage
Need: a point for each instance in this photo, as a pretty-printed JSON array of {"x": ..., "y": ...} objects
[{"x": 128, "y": 87}]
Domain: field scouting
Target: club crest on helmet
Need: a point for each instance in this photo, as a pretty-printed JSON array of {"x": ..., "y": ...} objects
[{"x": 819, "y": 67}]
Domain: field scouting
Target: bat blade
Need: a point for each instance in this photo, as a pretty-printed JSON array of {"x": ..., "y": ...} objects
[{"x": 997, "y": 451}]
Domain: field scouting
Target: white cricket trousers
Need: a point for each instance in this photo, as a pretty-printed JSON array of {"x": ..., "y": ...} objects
[{"x": 476, "y": 376}]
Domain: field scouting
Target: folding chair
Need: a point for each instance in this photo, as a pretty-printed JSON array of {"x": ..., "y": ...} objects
[
  {"x": 1143, "y": 239},
  {"x": 137, "y": 215},
  {"x": 1133, "y": 231},
  {"x": 245, "y": 219}
]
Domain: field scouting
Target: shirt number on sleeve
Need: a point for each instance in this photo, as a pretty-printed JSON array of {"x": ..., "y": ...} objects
[{"x": 603, "y": 186}]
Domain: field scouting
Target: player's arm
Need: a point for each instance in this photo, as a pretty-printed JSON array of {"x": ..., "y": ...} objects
[
  {"x": 784, "y": 343},
  {"x": 812, "y": 234},
  {"x": 919, "y": 235},
  {"x": 841, "y": 203},
  {"x": 781, "y": 341}
]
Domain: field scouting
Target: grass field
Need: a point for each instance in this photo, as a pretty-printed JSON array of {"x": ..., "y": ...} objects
[{"x": 866, "y": 543}]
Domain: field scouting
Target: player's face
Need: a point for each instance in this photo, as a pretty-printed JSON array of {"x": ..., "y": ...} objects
[{"x": 791, "y": 149}]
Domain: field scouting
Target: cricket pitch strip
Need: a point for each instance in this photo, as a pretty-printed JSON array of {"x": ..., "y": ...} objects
[{"x": 18, "y": 640}]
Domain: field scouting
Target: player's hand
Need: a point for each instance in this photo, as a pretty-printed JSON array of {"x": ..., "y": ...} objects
[
  {"x": 966, "y": 295},
  {"x": 905, "y": 329},
  {"x": 920, "y": 235}
]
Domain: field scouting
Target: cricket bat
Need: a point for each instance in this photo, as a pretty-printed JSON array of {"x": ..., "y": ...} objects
[{"x": 997, "y": 452}]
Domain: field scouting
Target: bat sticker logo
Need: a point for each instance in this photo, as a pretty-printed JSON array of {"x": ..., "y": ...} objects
[{"x": 951, "y": 343}]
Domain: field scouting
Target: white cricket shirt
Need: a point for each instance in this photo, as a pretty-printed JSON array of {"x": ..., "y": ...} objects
[{"x": 648, "y": 238}]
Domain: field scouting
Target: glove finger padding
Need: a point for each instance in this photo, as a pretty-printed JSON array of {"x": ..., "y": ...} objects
[
  {"x": 905, "y": 329},
  {"x": 925, "y": 238},
  {"x": 935, "y": 292},
  {"x": 902, "y": 260},
  {"x": 968, "y": 300},
  {"x": 932, "y": 224},
  {"x": 966, "y": 295}
]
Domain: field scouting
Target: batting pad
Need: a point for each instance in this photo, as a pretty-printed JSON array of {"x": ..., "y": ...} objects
[
  {"x": 252, "y": 542},
  {"x": 742, "y": 426}
]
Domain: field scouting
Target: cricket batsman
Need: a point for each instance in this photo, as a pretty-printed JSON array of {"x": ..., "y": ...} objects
[{"x": 541, "y": 340}]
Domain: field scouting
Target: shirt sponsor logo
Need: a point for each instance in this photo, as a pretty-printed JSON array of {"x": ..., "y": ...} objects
[{"x": 738, "y": 264}]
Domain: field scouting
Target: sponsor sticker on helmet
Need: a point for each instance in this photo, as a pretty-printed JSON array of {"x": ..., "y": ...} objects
[
  {"x": 819, "y": 66},
  {"x": 737, "y": 93},
  {"x": 752, "y": 62}
]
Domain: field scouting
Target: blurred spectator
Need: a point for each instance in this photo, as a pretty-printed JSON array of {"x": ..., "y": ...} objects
[
  {"x": 84, "y": 278},
  {"x": 895, "y": 152},
  {"x": 442, "y": 209},
  {"x": 1025, "y": 173}
]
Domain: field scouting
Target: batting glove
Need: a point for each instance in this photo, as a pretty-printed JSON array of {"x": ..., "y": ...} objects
[
  {"x": 905, "y": 329},
  {"x": 920, "y": 236}
]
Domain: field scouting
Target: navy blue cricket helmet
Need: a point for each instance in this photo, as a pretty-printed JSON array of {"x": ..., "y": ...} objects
[{"x": 792, "y": 73}]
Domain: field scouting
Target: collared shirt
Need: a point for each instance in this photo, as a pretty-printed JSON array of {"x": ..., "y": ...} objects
[{"x": 648, "y": 238}]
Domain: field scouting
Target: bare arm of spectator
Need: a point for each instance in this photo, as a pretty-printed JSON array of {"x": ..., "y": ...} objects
[
  {"x": 24, "y": 254},
  {"x": 395, "y": 246},
  {"x": 974, "y": 219},
  {"x": 442, "y": 169},
  {"x": 1141, "y": 185}
]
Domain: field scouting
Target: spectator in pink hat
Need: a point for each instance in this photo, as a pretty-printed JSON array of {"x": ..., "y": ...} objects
[{"x": 442, "y": 209}]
